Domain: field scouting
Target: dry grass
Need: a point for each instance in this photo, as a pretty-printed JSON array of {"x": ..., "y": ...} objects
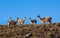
[{"x": 30, "y": 31}]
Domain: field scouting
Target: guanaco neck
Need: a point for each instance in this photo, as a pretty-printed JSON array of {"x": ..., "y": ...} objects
[
  {"x": 16, "y": 19},
  {"x": 10, "y": 18}
]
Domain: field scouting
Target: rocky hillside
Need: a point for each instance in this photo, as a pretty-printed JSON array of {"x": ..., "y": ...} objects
[{"x": 30, "y": 31}]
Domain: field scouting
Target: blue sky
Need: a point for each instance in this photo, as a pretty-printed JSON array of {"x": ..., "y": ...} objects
[{"x": 29, "y": 8}]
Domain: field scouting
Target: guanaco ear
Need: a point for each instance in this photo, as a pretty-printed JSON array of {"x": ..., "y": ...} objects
[{"x": 10, "y": 18}]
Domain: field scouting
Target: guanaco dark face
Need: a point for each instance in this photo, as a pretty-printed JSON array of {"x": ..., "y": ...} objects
[
  {"x": 38, "y": 16},
  {"x": 30, "y": 18},
  {"x": 25, "y": 17},
  {"x": 17, "y": 18}
]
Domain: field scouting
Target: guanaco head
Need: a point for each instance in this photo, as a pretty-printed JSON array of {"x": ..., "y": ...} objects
[
  {"x": 10, "y": 18},
  {"x": 24, "y": 17},
  {"x": 38, "y": 16},
  {"x": 30, "y": 18},
  {"x": 17, "y": 19}
]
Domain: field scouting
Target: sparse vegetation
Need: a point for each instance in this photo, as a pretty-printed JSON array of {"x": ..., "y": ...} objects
[{"x": 30, "y": 31}]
